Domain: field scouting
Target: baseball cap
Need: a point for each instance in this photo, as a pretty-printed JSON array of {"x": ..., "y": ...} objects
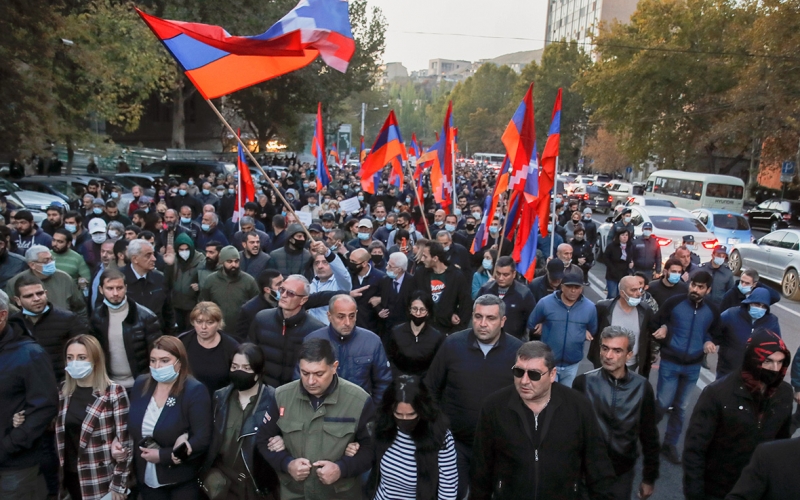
[
  {"x": 555, "y": 269},
  {"x": 688, "y": 238},
  {"x": 365, "y": 223},
  {"x": 721, "y": 248},
  {"x": 328, "y": 217},
  {"x": 647, "y": 225},
  {"x": 315, "y": 227},
  {"x": 573, "y": 277},
  {"x": 97, "y": 225}
]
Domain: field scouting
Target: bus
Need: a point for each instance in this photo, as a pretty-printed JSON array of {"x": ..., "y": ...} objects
[
  {"x": 489, "y": 159},
  {"x": 692, "y": 190}
]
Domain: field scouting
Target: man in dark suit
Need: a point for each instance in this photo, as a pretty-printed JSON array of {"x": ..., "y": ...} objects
[
  {"x": 364, "y": 274},
  {"x": 398, "y": 286},
  {"x": 147, "y": 286}
]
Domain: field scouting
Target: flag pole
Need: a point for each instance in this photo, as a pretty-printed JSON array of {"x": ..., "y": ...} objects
[
  {"x": 419, "y": 201},
  {"x": 553, "y": 208},
  {"x": 288, "y": 206},
  {"x": 502, "y": 235}
]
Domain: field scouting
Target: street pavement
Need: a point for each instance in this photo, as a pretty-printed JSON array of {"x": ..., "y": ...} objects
[{"x": 670, "y": 483}]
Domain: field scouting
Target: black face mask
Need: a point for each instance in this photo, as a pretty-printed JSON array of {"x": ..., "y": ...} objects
[
  {"x": 242, "y": 380},
  {"x": 353, "y": 267},
  {"x": 470, "y": 227},
  {"x": 418, "y": 321},
  {"x": 407, "y": 426},
  {"x": 377, "y": 259},
  {"x": 297, "y": 244},
  {"x": 769, "y": 377}
]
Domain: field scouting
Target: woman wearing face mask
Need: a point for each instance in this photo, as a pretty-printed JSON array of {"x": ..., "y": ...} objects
[
  {"x": 377, "y": 253},
  {"x": 233, "y": 468},
  {"x": 208, "y": 348},
  {"x": 415, "y": 454},
  {"x": 618, "y": 261},
  {"x": 92, "y": 425},
  {"x": 170, "y": 424},
  {"x": 411, "y": 346},
  {"x": 484, "y": 274},
  {"x": 582, "y": 254},
  {"x": 183, "y": 273}
]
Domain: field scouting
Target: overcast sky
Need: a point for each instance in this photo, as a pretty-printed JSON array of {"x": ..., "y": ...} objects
[{"x": 497, "y": 18}]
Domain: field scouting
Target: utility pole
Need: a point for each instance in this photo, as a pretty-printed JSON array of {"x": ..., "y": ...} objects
[{"x": 363, "y": 116}]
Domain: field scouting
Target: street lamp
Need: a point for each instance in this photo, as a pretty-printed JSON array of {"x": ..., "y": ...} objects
[{"x": 364, "y": 114}]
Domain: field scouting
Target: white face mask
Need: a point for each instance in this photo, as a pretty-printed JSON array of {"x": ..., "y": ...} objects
[{"x": 184, "y": 254}]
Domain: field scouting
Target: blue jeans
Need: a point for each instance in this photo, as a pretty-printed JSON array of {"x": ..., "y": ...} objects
[
  {"x": 675, "y": 383},
  {"x": 613, "y": 289},
  {"x": 565, "y": 375}
]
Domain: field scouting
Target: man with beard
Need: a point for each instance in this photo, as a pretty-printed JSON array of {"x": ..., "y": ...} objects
[
  {"x": 720, "y": 440},
  {"x": 68, "y": 260},
  {"x": 54, "y": 219},
  {"x": 186, "y": 222},
  {"x": 293, "y": 257},
  {"x": 11, "y": 264},
  {"x": 73, "y": 222},
  {"x": 27, "y": 234},
  {"x": 253, "y": 259},
  {"x": 170, "y": 233},
  {"x": 107, "y": 261},
  {"x": 211, "y": 251},
  {"x": 229, "y": 287}
]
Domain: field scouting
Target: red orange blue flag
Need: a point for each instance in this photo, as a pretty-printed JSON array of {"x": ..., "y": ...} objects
[
  {"x": 318, "y": 151},
  {"x": 247, "y": 188},
  {"x": 520, "y": 141},
  {"x": 548, "y": 166},
  {"x": 219, "y": 63},
  {"x": 388, "y": 146}
]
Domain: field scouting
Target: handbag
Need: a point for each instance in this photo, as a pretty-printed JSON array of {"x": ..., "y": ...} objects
[{"x": 216, "y": 484}]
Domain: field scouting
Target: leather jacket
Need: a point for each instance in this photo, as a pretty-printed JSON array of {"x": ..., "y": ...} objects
[
  {"x": 605, "y": 310},
  {"x": 264, "y": 478}
]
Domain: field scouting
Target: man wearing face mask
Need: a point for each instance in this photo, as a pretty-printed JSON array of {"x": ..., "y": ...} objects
[
  {"x": 590, "y": 225},
  {"x": 625, "y": 222},
  {"x": 293, "y": 256},
  {"x": 27, "y": 233},
  {"x": 182, "y": 276},
  {"x": 468, "y": 233},
  {"x": 206, "y": 196},
  {"x": 209, "y": 230},
  {"x": 229, "y": 287},
  {"x": 382, "y": 233},
  {"x": 363, "y": 273},
  {"x": 718, "y": 268},
  {"x": 185, "y": 199},
  {"x": 98, "y": 209},
  {"x": 450, "y": 225},
  {"x": 90, "y": 250},
  {"x": 737, "y": 324},
  {"x": 670, "y": 284},
  {"x": 455, "y": 254},
  {"x": 404, "y": 222},
  {"x": 748, "y": 282},
  {"x": 185, "y": 222},
  {"x": 720, "y": 440},
  {"x": 363, "y": 236},
  {"x": 646, "y": 253}
]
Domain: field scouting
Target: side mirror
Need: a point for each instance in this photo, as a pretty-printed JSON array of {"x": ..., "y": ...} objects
[{"x": 609, "y": 219}]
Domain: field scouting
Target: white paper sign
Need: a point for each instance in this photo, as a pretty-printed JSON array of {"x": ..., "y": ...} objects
[
  {"x": 350, "y": 205},
  {"x": 304, "y": 217}
]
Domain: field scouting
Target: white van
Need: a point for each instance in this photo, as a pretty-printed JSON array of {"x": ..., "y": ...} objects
[{"x": 692, "y": 190}]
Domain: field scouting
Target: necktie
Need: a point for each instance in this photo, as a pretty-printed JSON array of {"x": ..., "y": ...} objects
[{"x": 396, "y": 287}]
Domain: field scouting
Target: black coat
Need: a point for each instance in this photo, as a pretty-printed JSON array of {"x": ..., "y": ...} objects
[
  {"x": 396, "y": 303},
  {"x": 519, "y": 306},
  {"x": 280, "y": 340},
  {"x": 11, "y": 265},
  {"x": 455, "y": 299},
  {"x": 152, "y": 293},
  {"x": 52, "y": 331},
  {"x": 771, "y": 473},
  {"x": 725, "y": 429},
  {"x": 140, "y": 329},
  {"x": 617, "y": 267},
  {"x": 248, "y": 314},
  {"x": 410, "y": 354},
  {"x": 367, "y": 316},
  {"x": 605, "y": 311},
  {"x": 507, "y": 465},
  {"x": 540, "y": 288}
]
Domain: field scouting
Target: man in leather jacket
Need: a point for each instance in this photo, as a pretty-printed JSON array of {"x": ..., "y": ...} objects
[{"x": 625, "y": 406}]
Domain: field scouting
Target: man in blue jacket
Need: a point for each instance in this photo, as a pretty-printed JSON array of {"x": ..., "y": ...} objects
[
  {"x": 359, "y": 352},
  {"x": 683, "y": 326},
  {"x": 565, "y": 319}
]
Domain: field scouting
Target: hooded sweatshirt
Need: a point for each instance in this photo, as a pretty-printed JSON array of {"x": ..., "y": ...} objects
[
  {"x": 736, "y": 326},
  {"x": 183, "y": 273},
  {"x": 290, "y": 260}
]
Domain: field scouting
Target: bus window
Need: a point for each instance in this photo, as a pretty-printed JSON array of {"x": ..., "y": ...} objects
[
  {"x": 727, "y": 191},
  {"x": 649, "y": 187}
]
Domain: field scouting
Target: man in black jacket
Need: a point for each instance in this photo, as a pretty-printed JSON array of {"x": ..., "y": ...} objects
[
  {"x": 629, "y": 312},
  {"x": 398, "y": 285},
  {"x": 720, "y": 440},
  {"x": 147, "y": 286},
  {"x": 446, "y": 284},
  {"x": 771, "y": 473},
  {"x": 26, "y": 383},
  {"x": 50, "y": 326},
  {"x": 550, "y": 282},
  {"x": 518, "y": 299},
  {"x": 625, "y": 406},
  {"x": 538, "y": 439},
  {"x": 670, "y": 283},
  {"x": 279, "y": 332},
  {"x": 363, "y": 273},
  {"x": 469, "y": 366},
  {"x": 124, "y": 328}
]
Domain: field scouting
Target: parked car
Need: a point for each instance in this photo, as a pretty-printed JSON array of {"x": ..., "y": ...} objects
[
  {"x": 183, "y": 169},
  {"x": 775, "y": 256},
  {"x": 670, "y": 225},
  {"x": 730, "y": 228},
  {"x": 602, "y": 178},
  {"x": 70, "y": 188},
  {"x": 581, "y": 180},
  {"x": 774, "y": 214},
  {"x": 592, "y": 196},
  {"x": 32, "y": 199},
  {"x": 622, "y": 191},
  {"x": 146, "y": 181}
]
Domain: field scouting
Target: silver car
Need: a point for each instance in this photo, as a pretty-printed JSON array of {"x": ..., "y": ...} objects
[{"x": 775, "y": 256}]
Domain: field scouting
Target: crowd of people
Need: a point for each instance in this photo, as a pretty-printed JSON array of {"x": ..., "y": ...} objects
[{"x": 166, "y": 349}]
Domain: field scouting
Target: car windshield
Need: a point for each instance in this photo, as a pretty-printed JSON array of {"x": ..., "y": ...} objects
[
  {"x": 8, "y": 186},
  {"x": 597, "y": 190},
  {"x": 678, "y": 223},
  {"x": 655, "y": 202},
  {"x": 731, "y": 221}
]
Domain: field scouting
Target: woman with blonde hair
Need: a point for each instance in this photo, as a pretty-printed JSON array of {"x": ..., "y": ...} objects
[
  {"x": 170, "y": 422},
  {"x": 209, "y": 349},
  {"x": 92, "y": 424}
]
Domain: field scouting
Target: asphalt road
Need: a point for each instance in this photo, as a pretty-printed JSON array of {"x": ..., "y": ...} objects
[{"x": 670, "y": 483}]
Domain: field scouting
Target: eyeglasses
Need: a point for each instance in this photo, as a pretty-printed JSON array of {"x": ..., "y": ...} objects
[
  {"x": 289, "y": 293},
  {"x": 532, "y": 374},
  {"x": 419, "y": 310},
  {"x": 46, "y": 261}
]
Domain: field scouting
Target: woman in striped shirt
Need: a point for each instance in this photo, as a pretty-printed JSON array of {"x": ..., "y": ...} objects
[{"x": 415, "y": 455}]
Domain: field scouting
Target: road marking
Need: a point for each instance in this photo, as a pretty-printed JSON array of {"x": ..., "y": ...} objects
[
  {"x": 786, "y": 309},
  {"x": 598, "y": 287},
  {"x": 706, "y": 377}
]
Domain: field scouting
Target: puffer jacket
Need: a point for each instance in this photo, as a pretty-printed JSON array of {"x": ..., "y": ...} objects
[
  {"x": 736, "y": 326},
  {"x": 140, "y": 329},
  {"x": 280, "y": 339},
  {"x": 52, "y": 331},
  {"x": 689, "y": 326},
  {"x": 564, "y": 328}
]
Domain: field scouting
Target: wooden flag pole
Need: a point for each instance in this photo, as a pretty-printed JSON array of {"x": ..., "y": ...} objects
[
  {"x": 502, "y": 235},
  {"x": 278, "y": 193},
  {"x": 419, "y": 201},
  {"x": 553, "y": 210}
]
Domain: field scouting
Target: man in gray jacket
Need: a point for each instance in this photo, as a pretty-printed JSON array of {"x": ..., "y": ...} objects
[{"x": 253, "y": 260}]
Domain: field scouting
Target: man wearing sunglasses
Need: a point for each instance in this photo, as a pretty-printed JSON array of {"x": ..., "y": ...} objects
[
  {"x": 538, "y": 439},
  {"x": 625, "y": 405}
]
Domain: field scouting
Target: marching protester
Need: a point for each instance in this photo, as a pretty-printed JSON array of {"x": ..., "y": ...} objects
[
  {"x": 618, "y": 259},
  {"x": 208, "y": 348},
  {"x": 411, "y": 345},
  {"x": 519, "y": 300}
]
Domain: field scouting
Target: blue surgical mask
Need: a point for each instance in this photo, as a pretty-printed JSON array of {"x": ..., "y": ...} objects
[
  {"x": 205, "y": 227},
  {"x": 182, "y": 192},
  {"x": 487, "y": 264},
  {"x": 757, "y": 312},
  {"x": 626, "y": 220},
  {"x": 79, "y": 369},
  {"x": 745, "y": 289},
  {"x": 31, "y": 313},
  {"x": 206, "y": 192},
  {"x": 114, "y": 194},
  {"x": 380, "y": 219},
  {"x": 633, "y": 301},
  {"x": 450, "y": 227},
  {"x": 165, "y": 374},
  {"x": 360, "y": 198},
  {"x": 305, "y": 185},
  {"x": 231, "y": 191},
  {"x": 115, "y": 307},
  {"x": 277, "y": 294},
  {"x": 186, "y": 220},
  {"x": 191, "y": 183},
  {"x": 389, "y": 227},
  {"x": 646, "y": 233},
  {"x": 97, "y": 210},
  {"x": 363, "y": 236},
  {"x": 72, "y": 228},
  {"x": 494, "y": 229},
  {"x": 408, "y": 199},
  {"x": 718, "y": 261},
  {"x": 49, "y": 269},
  {"x": 391, "y": 274},
  {"x": 477, "y": 215},
  {"x": 674, "y": 277},
  {"x": 457, "y": 212}
]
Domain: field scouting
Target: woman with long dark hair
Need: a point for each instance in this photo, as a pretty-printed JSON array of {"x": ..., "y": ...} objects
[
  {"x": 415, "y": 455},
  {"x": 618, "y": 261},
  {"x": 411, "y": 346}
]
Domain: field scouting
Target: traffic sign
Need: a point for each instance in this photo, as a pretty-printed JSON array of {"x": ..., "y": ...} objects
[{"x": 787, "y": 171}]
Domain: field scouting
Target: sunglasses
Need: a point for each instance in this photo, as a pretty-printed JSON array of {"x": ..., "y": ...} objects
[
  {"x": 289, "y": 293},
  {"x": 532, "y": 374}
]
